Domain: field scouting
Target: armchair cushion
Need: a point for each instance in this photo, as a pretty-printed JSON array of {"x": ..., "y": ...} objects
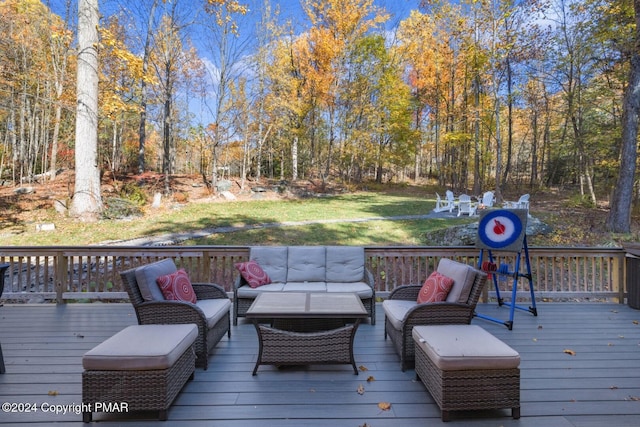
[
  {"x": 396, "y": 310},
  {"x": 463, "y": 276},
  {"x": 253, "y": 273},
  {"x": 177, "y": 287},
  {"x": 435, "y": 288},
  {"x": 146, "y": 276},
  {"x": 214, "y": 309}
]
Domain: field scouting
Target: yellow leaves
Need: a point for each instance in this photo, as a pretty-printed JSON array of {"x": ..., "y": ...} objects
[
  {"x": 385, "y": 406},
  {"x": 569, "y": 352}
]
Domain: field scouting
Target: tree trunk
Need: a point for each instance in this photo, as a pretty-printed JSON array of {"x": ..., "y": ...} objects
[
  {"x": 87, "y": 201},
  {"x": 142, "y": 131},
  {"x": 619, "y": 218}
]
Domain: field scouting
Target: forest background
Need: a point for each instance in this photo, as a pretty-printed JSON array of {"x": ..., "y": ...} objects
[{"x": 471, "y": 95}]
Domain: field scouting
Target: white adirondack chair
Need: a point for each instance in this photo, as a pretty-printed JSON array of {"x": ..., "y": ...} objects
[
  {"x": 466, "y": 206},
  {"x": 443, "y": 205},
  {"x": 522, "y": 203},
  {"x": 451, "y": 200},
  {"x": 488, "y": 199}
]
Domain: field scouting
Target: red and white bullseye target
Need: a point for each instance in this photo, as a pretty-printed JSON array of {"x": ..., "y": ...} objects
[{"x": 502, "y": 229}]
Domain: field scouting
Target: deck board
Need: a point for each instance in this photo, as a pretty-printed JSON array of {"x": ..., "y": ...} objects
[{"x": 598, "y": 386}]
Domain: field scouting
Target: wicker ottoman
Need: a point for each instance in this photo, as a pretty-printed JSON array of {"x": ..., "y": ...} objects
[
  {"x": 464, "y": 367},
  {"x": 141, "y": 368}
]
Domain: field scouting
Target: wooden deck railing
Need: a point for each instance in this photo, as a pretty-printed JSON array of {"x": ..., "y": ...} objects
[{"x": 92, "y": 272}]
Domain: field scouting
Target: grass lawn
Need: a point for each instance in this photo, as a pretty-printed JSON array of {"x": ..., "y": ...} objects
[{"x": 197, "y": 216}]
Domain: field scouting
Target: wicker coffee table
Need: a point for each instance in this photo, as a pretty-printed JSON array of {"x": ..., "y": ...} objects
[{"x": 306, "y": 328}]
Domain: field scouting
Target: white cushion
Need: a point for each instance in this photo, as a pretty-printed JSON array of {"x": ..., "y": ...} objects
[
  {"x": 345, "y": 263},
  {"x": 396, "y": 310},
  {"x": 464, "y": 347},
  {"x": 273, "y": 260},
  {"x": 146, "y": 276},
  {"x": 463, "y": 276},
  {"x": 306, "y": 264},
  {"x": 214, "y": 309},
  {"x": 141, "y": 347},
  {"x": 249, "y": 292},
  {"x": 361, "y": 288},
  {"x": 305, "y": 287}
]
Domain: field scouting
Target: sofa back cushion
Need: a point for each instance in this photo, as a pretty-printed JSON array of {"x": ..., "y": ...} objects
[
  {"x": 345, "y": 264},
  {"x": 273, "y": 260},
  {"x": 463, "y": 276},
  {"x": 306, "y": 264},
  {"x": 146, "y": 276}
]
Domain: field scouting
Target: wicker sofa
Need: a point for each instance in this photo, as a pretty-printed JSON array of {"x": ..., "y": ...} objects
[
  {"x": 403, "y": 312},
  {"x": 307, "y": 269},
  {"x": 211, "y": 312}
]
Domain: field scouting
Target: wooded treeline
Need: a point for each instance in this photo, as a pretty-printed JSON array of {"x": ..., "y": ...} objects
[{"x": 476, "y": 95}]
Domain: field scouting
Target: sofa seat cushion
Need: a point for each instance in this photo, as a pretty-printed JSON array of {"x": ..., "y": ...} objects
[
  {"x": 249, "y": 292},
  {"x": 363, "y": 290},
  {"x": 273, "y": 260},
  {"x": 146, "y": 276},
  {"x": 463, "y": 276},
  {"x": 464, "y": 347},
  {"x": 306, "y": 264},
  {"x": 214, "y": 309},
  {"x": 345, "y": 263},
  {"x": 305, "y": 287},
  {"x": 141, "y": 347},
  {"x": 395, "y": 311}
]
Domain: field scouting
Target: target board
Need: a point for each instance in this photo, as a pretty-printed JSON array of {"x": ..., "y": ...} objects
[{"x": 502, "y": 229}]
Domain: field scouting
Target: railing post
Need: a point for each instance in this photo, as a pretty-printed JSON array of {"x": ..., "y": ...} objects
[{"x": 61, "y": 276}]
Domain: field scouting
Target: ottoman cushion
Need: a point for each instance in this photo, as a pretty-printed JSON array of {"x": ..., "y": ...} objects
[
  {"x": 464, "y": 347},
  {"x": 141, "y": 347}
]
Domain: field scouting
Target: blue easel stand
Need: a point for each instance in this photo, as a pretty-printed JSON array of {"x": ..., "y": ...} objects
[
  {"x": 504, "y": 230},
  {"x": 515, "y": 275}
]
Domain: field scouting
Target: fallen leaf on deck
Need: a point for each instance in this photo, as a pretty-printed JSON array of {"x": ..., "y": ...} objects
[
  {"x": 634, "y": 398},
  {"x": 569, "y": 352},
  {"x": 613, "y": 387},
  {"x": 52, "y": 393},
  {"x": 635, "y": 322},
  {"x": 360, "y": 389},
  {"x": 363, "y": 368},
  {"x": 370, "y": 378},
  {"x": 385, "y": 406}
]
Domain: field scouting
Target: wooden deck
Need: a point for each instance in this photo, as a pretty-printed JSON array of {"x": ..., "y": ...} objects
[{"x": 598, "y": 386}]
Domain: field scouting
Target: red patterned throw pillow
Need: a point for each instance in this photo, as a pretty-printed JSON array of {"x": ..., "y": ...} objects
[
  {"x": 177, "y": 287},
  {"x": 435, "y": 288},
  {"x": 253, "y": 273}
]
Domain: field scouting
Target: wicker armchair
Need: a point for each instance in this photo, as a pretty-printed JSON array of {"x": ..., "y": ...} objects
[
  {"x": 402, "y": 311},
  {"x": 211, "y": 313}
]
